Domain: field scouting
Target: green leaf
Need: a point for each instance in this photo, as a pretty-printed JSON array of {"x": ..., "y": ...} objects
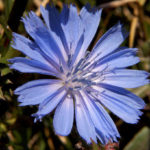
[
  {"x": 3, "y": 127},
  {"x": 10, "y": 54},
  {"x": 140, "y": 141},
  {"x": 7, "y": 31},
  {"x": 42, "y": 145},
  {"x": 11, "y": 121},
  {"x": 29, "y": 134},
  {"x": 5, "y": 71},
  {"x": 17, "y": 136},
  {"x": 9, "y": 4}
]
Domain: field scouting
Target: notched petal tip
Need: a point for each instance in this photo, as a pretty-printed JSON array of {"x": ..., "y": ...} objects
[
  {"x": 91, "y": 9},
  {"x": 120, "y": 25},
  {"x": 37, "y": 117}
]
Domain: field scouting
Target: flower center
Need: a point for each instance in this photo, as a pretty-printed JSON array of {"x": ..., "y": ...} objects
[{"x": 82, "y": 75}]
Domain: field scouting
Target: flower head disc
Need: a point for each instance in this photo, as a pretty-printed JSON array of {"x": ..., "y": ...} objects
[{"x": 91, "y": 80}]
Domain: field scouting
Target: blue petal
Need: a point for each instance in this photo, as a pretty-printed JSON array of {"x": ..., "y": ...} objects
[
  {"x": 72, "y": 27},
  {"x": 109, "y": 42},
  {"x": 52, "y": 19},
  {"x": 101, "y": 119},
  {"x": 76, "y": 55},
  {"x": 43, "y": 38},
  {"x": 127, "y": 78},
  {"x": 28, "y": 48},
  {"x": 31, "y": 66},
  {"x": 84, "y": 123},
  {"x": 90, "y": 18},
  {"x": 35, "y": 83},
  {"x": 50, "y": 103},
  {"x": 121, "y": 102},
  {"x": 28, "y": 92},
  {"x": 64, "y": 115},
  {"x": 126, "y": 58}
]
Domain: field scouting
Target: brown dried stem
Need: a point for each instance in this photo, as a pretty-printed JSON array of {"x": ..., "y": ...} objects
[
  {"x": 38, "y": 3},
  {"x": 116, "y": 3}
]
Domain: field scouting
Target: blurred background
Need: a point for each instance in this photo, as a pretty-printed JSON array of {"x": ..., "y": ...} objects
[{"x": 17, "y": 129}]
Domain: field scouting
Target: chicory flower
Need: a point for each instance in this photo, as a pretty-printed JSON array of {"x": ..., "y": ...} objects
[{"x": 85, "y": 80}]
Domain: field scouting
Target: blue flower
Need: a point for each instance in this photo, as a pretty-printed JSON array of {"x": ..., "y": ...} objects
[{"x": 85, "y": 81}]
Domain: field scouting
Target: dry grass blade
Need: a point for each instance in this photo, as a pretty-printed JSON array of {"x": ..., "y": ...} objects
[
  {"x": 33, "y": 140},
  {"x": 49, "y": 139},
  {"x": 1, "y": 5},
  {"x": 133, "y": 31},
  {"x": 116, "y": 3}
]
